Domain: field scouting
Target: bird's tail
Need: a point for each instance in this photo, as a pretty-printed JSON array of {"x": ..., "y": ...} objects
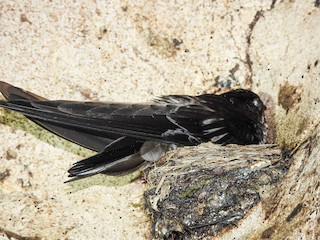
[{"x": 120, "y": 157}]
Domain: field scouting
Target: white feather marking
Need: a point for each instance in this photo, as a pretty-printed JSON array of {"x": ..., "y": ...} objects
[
  {"x": 176, "y": 100},
  {"x": 212, "y": 130},
  {"x": 217, "y": 138},
  {"x": 211, "y": 120}
]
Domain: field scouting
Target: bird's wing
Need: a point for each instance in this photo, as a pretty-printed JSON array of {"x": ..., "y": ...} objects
[{"x": 168, "y": 123}]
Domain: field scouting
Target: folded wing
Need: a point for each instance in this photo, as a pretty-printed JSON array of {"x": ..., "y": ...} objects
[{"x": 87, "y": 122}]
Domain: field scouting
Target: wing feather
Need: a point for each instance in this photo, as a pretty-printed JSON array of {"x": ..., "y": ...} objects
[{"x": 145, "y": 122}]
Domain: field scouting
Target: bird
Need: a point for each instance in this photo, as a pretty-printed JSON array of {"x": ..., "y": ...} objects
[{"x": 127, "y": 136}]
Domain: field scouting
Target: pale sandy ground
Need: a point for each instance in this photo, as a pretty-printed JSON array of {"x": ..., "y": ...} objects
[{"x": 135, "y": 51}]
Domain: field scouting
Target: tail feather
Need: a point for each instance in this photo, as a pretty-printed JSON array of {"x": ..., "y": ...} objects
[{"x": 121, "y": 156}]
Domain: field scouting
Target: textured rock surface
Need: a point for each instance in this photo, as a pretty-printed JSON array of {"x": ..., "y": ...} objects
[{"x": 134, "y": 51}]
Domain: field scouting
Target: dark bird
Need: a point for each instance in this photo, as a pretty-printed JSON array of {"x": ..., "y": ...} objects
[{"x": 128, "y": 135}]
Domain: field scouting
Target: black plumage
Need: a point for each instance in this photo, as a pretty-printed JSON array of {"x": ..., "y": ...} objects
[{"x": 128, "y": 135}]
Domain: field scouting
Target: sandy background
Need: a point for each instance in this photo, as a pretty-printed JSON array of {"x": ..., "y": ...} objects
[{"x": 134, "y": 51}]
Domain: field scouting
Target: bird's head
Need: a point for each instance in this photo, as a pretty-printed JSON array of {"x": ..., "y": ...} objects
[
  {"x": 250, "y": 106},
  {"x": 246, "y": 100}
]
